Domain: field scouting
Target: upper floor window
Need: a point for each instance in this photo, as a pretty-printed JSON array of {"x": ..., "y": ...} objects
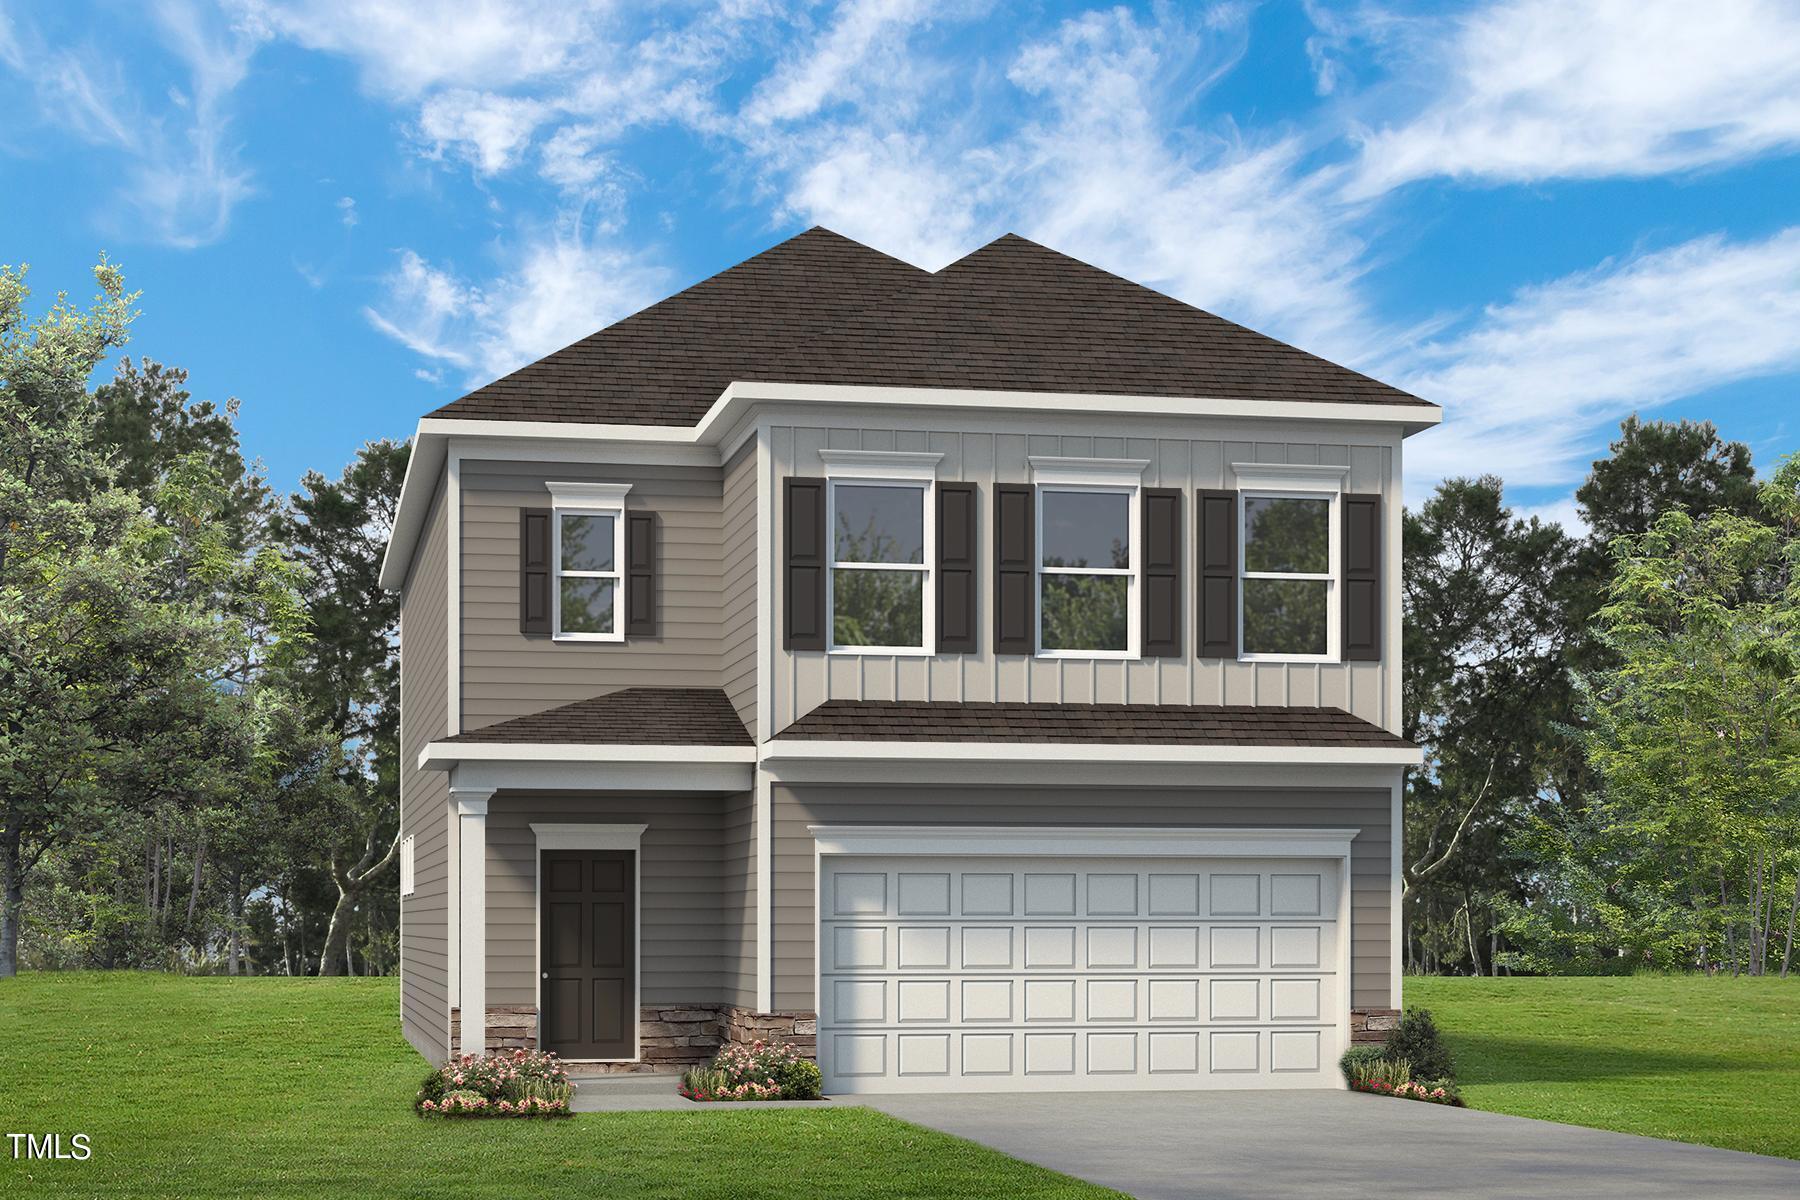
[
  {"x": 1288, "y": 562},
  {"x": 878, "y": 568},
  {"x": 1087, "y": 556},
  {"x": 588, "y": 541},
  {"x": 1086, "y": 583},
  {"x": 879, "y": 581}
]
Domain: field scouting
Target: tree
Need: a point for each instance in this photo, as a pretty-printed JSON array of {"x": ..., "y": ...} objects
[
  {"x": 1695, "y": 730},
  {"x": 1659, "y": 467},
  {"x": 1484, "y": 685},
  {"x": 119, "y": 630},
  {"x": 350, "y": 676}
]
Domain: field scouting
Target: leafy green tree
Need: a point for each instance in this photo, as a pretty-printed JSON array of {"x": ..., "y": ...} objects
[
  {"x": 1695, "y": 730},
  {"x": 122, "y": 615},
  {"x": 349, "y": 673},
  {"x": 1484, "y": 687}
]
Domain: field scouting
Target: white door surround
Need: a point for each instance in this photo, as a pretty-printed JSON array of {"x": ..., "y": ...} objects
[
  {"x": 1011, "y": 959},
  {"x": 591, "y": 836}
]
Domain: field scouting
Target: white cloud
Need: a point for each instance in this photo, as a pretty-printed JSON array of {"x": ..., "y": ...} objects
[
  {"x": 491, "y": 131},
  {"x": 556, "y": 288},
  {"x": 839, "y": 61},
  {"x": 1538, "y": 89},
  {"x": 1563, "y": 511},
  {"x": 346, "y": 207},
  {"x": 1537, "y": 385},
  {"x": 408, "y": 47}
]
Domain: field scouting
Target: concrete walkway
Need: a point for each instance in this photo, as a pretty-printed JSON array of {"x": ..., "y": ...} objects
[{"x": 1324, "y": 1144}]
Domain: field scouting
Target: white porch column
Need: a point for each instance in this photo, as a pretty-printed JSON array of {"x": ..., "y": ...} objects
[{"x": 471, "y": 821}]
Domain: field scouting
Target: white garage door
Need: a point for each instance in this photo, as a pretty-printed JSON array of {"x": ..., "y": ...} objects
[{"x": 970, "y": 974}]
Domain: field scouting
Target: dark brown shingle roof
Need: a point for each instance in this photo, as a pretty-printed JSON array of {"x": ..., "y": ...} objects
[
  {"x": 820, "y": 308},
  {"x": 1017, "y": 316},
  {"x": 1141, "y": 724},
  {"x": 667, "y": 364},
  {"x": 640, "y": 716}
]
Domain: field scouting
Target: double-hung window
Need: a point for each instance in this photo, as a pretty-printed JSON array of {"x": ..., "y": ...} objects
[
  {"x": 588, "y": 549},
  {"x": 1087, "y": 557},
  {"x": 1288, "y": 565},
  {"x": 879, "y": 582}
]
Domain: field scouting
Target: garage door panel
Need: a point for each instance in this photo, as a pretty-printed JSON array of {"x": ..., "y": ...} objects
[{"x": 943, "y": 974}]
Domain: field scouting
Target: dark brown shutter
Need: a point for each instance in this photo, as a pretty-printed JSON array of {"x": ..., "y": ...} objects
[
  {"x": 1163, "y": 613},
  {"x": 803, "y": 534},
  {"x": 534, "y": 572},
  {"x": 1215, "y": 571},
  {"x": 956, "y": 587},
  {"x": 640, "y": 574},
  {"x": 1362, "y": 578},
  {"x": 1015, "y": 532}
]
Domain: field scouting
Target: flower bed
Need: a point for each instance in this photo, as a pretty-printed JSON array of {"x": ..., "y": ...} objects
[
  {"x": 1387, "y": 1070},
  {"x": 759, "y": 1071},
  {"x": 525, "y": 1083}
]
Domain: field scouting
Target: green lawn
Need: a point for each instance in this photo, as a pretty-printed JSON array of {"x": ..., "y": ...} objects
[
  {"x": 1715, "y": 1061},
  {"x": 269, "y": 1087}
]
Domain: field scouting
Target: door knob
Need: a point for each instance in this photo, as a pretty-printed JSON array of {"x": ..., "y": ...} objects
[{"x": 546, "y": 974}]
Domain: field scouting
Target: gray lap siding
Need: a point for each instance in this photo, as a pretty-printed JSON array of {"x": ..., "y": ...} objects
[
  {"x": 424, "y": 795},
  {"x": 795, "y": 918},
  {"x": 691, "y": 894}
]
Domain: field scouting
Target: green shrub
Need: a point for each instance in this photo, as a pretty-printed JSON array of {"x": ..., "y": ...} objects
[
  {"x": 524, "y": 1083},
  {"x": 801, "y": 1080},
  {"x": 1417, "y": 1042},
  {"x": 1355, "y": 1062}
]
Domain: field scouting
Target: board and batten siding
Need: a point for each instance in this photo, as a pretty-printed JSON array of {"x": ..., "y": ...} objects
[
  {"x": 794, "y": 892},
  {"x": 803, "y": 680},
  {"x": 424, "y": 795},
  {"x": 690, "y": 905},
  {"x": 506, "y": 674},
  {"x": 740, "y": 521}
]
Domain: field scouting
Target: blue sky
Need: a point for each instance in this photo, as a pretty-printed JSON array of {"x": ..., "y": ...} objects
[{"x": 1543, "y": 215}]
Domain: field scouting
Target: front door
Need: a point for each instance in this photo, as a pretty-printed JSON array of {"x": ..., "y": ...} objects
[{"x": 589, "y": 953}]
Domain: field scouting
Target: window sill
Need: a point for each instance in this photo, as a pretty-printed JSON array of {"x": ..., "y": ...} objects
[
  {"x": 589, "y": 639},
  {"x": 1288, "y": 658},
  {"x": 1089, "y": 656},
  {"x": 880, "y": 652}
]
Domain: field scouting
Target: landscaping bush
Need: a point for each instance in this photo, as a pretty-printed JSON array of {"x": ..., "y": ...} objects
[
  {"x": 525, "y": 1083},
  {"x": 1413, "y": 1064},
  {"x": 1416, "y": 1041},
  {"x": 759, "y": 1071}
]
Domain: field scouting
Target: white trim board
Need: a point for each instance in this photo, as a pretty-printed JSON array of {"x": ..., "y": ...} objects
[
  {"x": 578, "y": 836},
  {"x": 803, "y": 750},
  {"x": 610, "y": 777},
  {"x": 1061, "y": 841}
]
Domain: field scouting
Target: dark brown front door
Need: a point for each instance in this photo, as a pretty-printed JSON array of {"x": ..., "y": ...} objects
[{"x": 589, "y": 953}]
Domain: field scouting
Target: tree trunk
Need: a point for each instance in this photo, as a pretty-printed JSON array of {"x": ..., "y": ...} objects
[
  {"x": 1787, "y": 952},
  {"x": 351, "y": 884},
  {"x": 12, "y": 904},
  {"x": 199, "y": 868},
  {"x": 234, "y": 942}
]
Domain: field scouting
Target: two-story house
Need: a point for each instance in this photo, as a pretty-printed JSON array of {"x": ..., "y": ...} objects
[{"x": 993, "y": 672}]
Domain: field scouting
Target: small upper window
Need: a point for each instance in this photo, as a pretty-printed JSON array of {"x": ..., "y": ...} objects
[
  {"x": 878, "y": 566},
  {"x": 1086, "y": 575},
  {"x": 589, "y": 541},
  {"x": 1287, "y": 576}
]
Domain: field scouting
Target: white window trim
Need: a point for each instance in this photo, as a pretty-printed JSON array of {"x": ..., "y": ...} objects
[
  {"x": 408, "y": 877},
  {"x": 593, "y": 837},
  {"x": 1273, "y": 481},
  {"x": 587, "y": 500},
  {"x": 1115, "y": 476},
  {"x": 1064, "y": 841},
  {"x": 883, "y": 468}
]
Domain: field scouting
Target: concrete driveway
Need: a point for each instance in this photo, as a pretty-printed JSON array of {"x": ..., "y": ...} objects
[{"x": 1243, "y": 1145}]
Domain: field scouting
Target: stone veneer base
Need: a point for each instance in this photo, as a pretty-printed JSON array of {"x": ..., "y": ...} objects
[
  {"x": 1371, "y": 1026},
  {"x": 669, "y": 1036}
]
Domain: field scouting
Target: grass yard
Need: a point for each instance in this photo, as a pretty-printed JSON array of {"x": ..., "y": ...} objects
[
  {"x": 1715, "y": 1061},
  {"x": 274, "y": 1087}
]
